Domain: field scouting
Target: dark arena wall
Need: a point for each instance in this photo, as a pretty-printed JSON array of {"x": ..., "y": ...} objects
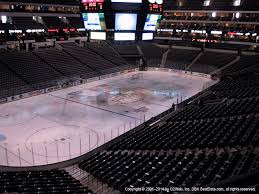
[{"x": 183, "y": 86}]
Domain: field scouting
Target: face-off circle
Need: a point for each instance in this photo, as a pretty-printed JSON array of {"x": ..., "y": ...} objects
[{"x": 50, "y": 138}]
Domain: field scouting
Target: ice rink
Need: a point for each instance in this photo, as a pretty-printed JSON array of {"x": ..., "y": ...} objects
[{"x": 64, "y": 124}]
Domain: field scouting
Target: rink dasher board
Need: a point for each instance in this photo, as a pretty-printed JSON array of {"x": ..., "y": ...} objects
[
  {"x": 84, "y": 81},
  {"x": 180, "y": 72},
  {"x": 63, "y": 86}
]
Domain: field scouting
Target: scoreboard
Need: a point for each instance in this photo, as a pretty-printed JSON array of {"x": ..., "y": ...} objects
[
  {"x": 121, "y": 19},
  {"x": 156, "y": 8},
  {"x": 92, "y": 5}
]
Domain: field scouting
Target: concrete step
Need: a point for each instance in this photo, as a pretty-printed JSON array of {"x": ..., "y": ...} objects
[{"x": 87, "y": 180}]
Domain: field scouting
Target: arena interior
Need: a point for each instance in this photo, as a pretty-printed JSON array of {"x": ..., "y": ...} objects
[{"x": 129, "y": 96}]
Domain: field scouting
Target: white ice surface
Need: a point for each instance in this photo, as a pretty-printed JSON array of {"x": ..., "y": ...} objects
[{"x": 51, "y": 127}]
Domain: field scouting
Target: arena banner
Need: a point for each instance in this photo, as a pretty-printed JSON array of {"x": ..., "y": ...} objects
[
  {"x": 65, "y": 85},
  {"x": 164, "y": 69},
  {"x": 13, "y": 98},
  {"x": 70, "y": 84},
  {"x": 84, "y": 81},
  {"x": 201, "y": 75},
  {"x": 126, "y": 71},
  {"x": 130, "y": 70},
  {"x": 93, "y": 79},
  {"x": 104, "y": 77},
  {"x": 35, "y": 93},
  {"x": 3, "y": 100},
  {"x": 77, "y": 82},
  {"x": 38, "y": 92},
  {"x": 25, "y": 95},
  {"x": 175, "y": 71},
  {"x": 58, "y": 87},
  {"x": 153, "y": 69},
  {"x": 51, "y": 89},
  {"x": 115, "y": 74}
]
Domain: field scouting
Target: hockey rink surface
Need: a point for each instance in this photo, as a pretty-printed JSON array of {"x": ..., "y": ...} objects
[{"x": 64, "y": 124}]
